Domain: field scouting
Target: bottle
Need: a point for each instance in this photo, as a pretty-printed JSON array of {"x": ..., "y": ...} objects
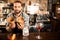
[{"x": 26, "y": 31}]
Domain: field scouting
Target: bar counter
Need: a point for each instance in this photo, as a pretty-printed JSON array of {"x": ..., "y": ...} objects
[{"x": 32, "y": 36}]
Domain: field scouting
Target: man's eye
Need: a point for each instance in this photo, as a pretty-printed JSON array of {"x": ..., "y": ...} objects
[
  {"x": 15, "y": 6},
  {"x": 18, "y": 6}
]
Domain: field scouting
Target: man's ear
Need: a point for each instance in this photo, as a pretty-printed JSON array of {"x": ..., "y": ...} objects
[{"x": 21, "y": 8}]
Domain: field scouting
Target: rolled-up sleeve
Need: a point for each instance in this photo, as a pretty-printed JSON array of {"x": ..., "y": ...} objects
[{"x": 7, "y": 23}]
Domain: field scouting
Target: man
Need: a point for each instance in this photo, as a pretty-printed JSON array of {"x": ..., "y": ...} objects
[{"x": 17, "y": 20}]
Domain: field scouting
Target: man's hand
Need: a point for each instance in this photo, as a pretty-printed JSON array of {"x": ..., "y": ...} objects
[{"x": 20, "y": 22}]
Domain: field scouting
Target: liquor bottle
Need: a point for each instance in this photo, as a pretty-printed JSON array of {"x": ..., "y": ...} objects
[{"x": 26, "y": 31}]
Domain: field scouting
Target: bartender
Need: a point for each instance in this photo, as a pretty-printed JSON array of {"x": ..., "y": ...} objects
[{"x": 17, "y": 20}]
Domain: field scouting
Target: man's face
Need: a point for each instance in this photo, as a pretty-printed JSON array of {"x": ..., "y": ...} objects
[{"x": 17, "y": 7}]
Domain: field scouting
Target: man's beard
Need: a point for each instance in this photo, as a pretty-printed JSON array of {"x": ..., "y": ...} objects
[{"x": 17, "y": 12}]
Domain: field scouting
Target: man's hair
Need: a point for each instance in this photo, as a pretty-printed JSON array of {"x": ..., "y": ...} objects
[{"x": 18, "y": 2}]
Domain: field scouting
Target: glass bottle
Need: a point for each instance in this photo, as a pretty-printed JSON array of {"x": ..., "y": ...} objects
[{"x": 26, "y": 31}]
